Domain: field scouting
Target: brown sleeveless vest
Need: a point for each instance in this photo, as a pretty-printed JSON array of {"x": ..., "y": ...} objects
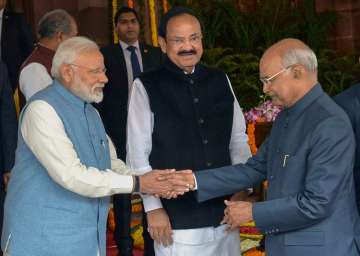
[{"x": 41, "y": 55}]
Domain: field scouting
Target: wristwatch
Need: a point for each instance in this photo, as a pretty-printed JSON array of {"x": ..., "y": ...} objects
[{"x": 136, "y": 183}]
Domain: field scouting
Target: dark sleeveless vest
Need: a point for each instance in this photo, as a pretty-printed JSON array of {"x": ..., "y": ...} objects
[
  {"x": 193, "y": 117},
  {"x": 41, "y": 55}
]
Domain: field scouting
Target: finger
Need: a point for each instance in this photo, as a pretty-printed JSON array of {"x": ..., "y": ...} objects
[
  {"x": 156, "y": 236},
  {"x": 185, "y": 171},
  {"x": 168, "y": 235},
  {"x": 227, "y": 202},
  {"x": 151, "y": 233},
  {"x": 161, "y": 235}
]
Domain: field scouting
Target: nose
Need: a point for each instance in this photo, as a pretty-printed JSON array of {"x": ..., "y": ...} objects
[
  {"x": 265, "y": 88},
  {"x": 103, "y": 78},
  {"x": 187, "y": 44}
]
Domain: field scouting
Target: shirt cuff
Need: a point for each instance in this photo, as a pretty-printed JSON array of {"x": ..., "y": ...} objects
[
  {"x": 195, "y": 188},
  {"x": 151, "y": 203},
  {"x": 123, "y": 184}
]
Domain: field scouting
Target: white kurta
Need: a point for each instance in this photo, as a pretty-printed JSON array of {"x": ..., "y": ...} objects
[{"x": 202, "y": 241}]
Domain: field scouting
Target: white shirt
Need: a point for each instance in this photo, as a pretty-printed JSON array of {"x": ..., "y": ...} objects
[
  {"x": 44, "y": 133},
  {"x": 127, "y": 57},
  {"x": 140, "y": 126},
  {"x": 33, "y": 78}
]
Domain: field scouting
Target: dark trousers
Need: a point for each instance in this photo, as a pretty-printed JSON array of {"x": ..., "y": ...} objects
[
  {"x": 2, "y": 199},
  {"x": 148, "y": 242},
  {"x": 122, "y": 211}
]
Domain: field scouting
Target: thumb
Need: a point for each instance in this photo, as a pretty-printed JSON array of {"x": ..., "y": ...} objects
[{"x": 228, "y": 203}]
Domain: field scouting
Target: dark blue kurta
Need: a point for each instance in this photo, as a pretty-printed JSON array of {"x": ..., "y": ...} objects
[{"x": 308, "y": 161}]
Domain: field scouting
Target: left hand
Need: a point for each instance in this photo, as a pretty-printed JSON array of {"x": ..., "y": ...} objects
[
  {"x": 237, "y": 213},
  {"x": 6, "y": 178}
]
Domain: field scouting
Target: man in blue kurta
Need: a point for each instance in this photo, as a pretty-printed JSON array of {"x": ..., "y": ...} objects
[
  {"x": 307, "y": 159},
  {"x": 66, "y": 166}
]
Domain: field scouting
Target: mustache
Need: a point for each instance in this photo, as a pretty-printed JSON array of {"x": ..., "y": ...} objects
[{"x": 185, "y": 53}]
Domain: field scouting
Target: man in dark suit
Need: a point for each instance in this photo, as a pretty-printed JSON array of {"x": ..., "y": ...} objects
[
  {"x": 307, "y": 159},
  {"x": 349, "y": 100},
  {"x": 16, "y": 41},
  {"x": 8, "y": 134},
  {"x": 124, "y": 62}
]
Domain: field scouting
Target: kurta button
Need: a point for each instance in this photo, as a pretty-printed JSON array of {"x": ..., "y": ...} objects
[
  {"x": 205, "y": 141},
  {"x": 196, "y": 100},
  {"x": 201, "y": 121},
  {"x": 191, "y": 81}
]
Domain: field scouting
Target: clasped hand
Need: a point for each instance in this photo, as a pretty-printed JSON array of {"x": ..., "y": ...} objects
[
  {"x": 167, "y": 183},
  {"x": 237, "y": 213}
]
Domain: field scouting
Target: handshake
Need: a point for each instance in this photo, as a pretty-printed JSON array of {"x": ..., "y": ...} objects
[{"x": 166, "y": 183}]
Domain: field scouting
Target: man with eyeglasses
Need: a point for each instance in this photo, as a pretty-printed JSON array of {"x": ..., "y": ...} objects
[
  {"x": 307, "y": 159},
  {"x": 66, "y": 166},
  {"x": 184, "y": 115},
  {"x": 53, "y": 28},
  {"x": 124, "y": 62}
]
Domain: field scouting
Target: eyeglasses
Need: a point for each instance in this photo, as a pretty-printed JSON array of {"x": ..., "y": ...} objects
[
  {"x": 179, "y": 41},
  {"x": 269, "y": 80},
  {"x": 94, "y": 71}
]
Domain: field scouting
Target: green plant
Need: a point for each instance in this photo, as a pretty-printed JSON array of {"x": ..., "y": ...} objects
[
  {"x": 235, "y": 40},
  {"x": 242, "y": 70},
  {"x": 336, "y": 73}
]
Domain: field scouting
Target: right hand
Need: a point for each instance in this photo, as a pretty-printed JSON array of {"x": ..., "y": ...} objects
[
  {"x": 163, "y": 183},
  {"x": 159, "y": 226}
]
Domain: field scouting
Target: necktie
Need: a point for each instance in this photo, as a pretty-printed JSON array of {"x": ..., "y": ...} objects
[{"x": 134, "y": 62}]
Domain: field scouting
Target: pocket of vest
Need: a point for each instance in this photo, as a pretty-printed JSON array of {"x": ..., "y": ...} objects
[
  {"x": 305, "y": 238},
  {"x": 7, "y": 246}
]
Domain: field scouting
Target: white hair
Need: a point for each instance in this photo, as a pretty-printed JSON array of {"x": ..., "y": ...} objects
[
  {"x": 303, "y": 56},
  {"x": 69, "y": 50}
]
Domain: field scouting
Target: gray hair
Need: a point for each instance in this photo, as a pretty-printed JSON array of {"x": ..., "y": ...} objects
[
  {"x": 53, "y": 22},
  {"x": 69, "y": 50},
  {"x": 303, "y": 56}
]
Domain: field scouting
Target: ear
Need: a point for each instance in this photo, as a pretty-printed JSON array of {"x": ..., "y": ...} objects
[
  {"x": 297, "y": 72},
  {"x": 67, "y": 73},
  {"x": 162, "y": 43}
]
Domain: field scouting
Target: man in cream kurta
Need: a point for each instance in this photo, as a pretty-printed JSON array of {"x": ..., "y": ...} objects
[{"x": 66, "y": 167}]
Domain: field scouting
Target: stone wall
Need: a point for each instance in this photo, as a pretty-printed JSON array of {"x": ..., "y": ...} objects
[{"x": 346, "y": 35}]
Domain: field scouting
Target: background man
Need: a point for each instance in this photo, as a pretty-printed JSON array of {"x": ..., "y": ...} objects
[
  {"x": 16, "y": 41},
  {"x": 8, "y": 134},
  {"x": 307, "y": 159},
  {"x": 124, "y": 61},
  {"x": 185, "y": 115},
  {"x": 53, "y": 28},
  {"x": 349, "y": 100},
  {"x": 66, "y": 167}
]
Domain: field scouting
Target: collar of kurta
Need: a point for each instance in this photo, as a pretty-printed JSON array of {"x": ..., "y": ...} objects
[
  {"x": 179, "y": 73},
  {"x": 299, "y": 107},
  {"x": 69, "y": 96}
]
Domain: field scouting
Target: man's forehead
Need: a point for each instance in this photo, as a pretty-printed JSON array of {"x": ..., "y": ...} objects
[
  {"x": 269, "y": 61},
  {"x": 127, "y": 16},
  {"x": 184, "y": 22}
]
